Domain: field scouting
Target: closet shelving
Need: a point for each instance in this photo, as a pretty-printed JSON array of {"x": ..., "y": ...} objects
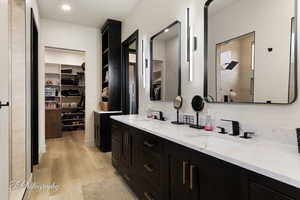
[
  {"x": 72, "y": 97},
  {"x": 65, "y": 92}
]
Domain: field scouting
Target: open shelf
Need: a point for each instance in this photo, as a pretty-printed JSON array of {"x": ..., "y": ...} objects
[
  {"x": 68, "y": 66},
  {"x": 73, "y": 125},
  {"x": 111, "y": 62},
  {"x": 65, "y": 74},
  {"x": 52, "y": 74},
  {"x": 75, "y": 108},
  {"x": 75, "y": 114},
  {"x": 52, "y": 86},
  {"x": 73, "y": 120}
]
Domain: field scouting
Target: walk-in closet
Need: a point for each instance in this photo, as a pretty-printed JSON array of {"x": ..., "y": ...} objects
[{"x": 64, "y": 91}]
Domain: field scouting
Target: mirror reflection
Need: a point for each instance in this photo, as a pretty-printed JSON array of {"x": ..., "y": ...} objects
[
  {"x": 165, "y": 63},
  {"x": 246, "y": 62}
]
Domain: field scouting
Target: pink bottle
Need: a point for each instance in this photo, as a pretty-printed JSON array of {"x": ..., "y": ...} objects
[{"x": 208, "y": 124}]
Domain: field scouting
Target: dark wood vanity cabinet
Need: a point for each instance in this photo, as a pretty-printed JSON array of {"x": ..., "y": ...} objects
[
  {"x": 215, "y": 179},
  {"x": 157, "y": 169},
  {"x": 196, "y": 176},
  {"x": 179, "y": 173},
  {"x": 121, "y": 146}
]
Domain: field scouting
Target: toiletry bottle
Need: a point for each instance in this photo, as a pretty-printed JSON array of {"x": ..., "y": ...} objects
[{"x": 208, "y": 123}]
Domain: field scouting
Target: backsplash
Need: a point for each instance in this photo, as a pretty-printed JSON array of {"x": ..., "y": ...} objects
[{"x": 273, "y": 133}]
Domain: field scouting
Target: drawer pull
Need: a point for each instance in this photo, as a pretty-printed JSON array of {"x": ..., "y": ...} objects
[
  {"x": 184, "y": 172},
  {"x": 127, "y": 177},
  {"x": 148, "y": 168},
  {"x": 148, "y": 196},
  {"x": 148, "y": 144},
  {"x": 192, "y": 177}
]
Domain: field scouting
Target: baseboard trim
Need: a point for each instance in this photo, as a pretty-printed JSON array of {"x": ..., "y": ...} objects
[
  {"x": 27, "y": 193},
  {"x": 42, "y": 151}
]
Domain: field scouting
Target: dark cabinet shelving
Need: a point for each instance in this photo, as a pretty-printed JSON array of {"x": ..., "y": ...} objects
[{"x": 111, "y": 64}]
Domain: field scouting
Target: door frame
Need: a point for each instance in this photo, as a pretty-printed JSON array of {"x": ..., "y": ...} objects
[
  {"x": 34, "y": 89},
  {"x": 125, "y": 72},
  {"x": 5, "y": 62}
]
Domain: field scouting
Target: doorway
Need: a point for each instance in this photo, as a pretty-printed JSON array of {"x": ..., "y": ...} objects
[
  {"x": 64, "y": 92},
  {"x": 34, "y": 92},
  {"x": 130, "y": 49}
]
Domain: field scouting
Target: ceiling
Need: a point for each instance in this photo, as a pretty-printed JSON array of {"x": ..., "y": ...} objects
[
  {"x": 87, "y": 12},
  {"x": 172, "y": 33}
]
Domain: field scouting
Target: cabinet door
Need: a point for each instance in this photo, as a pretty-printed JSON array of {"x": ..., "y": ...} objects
[
  {"x": 117, "y": 148},
  {"x": 260, "y": 192},
  {"x": 126, "y": 147},
  {"x": 53, "y": 124},
  {"x": 214, "y": 179},
  {"x": 116, "y": 153},
  {"x": 178, "y": 165},
  {"x": 96, "y": 129}
]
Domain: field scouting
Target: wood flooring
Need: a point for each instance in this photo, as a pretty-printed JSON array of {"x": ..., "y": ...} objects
[{"x": 71, "y": 165}]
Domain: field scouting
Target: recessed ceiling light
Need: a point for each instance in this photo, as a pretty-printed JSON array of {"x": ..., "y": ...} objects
[
  {"x": 166, "y": 30},
  {"x": 66, "y": 7}
]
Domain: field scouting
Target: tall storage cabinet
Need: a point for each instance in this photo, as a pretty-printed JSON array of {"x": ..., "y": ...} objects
[{"x": 111, "y": 66}]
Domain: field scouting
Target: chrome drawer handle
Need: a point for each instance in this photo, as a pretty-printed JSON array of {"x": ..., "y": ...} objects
[
  {"x": 148, "y": 196},
  {"x": 148, "y": 168},
  {"x": 148, "y": 144}
]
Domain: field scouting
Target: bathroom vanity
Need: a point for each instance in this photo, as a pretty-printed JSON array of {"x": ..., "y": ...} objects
[{"x": 162, "y": 161}]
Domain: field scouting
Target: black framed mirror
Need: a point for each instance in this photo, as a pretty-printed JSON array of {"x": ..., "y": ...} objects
[
  {"x": 250, "y": 51},
  {"x": 165, "y": 66}
]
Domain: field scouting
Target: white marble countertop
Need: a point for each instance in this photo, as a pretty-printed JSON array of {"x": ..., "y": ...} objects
[
  {"x": 278, "y": 161},
  {"x": 107, "y": 112}
]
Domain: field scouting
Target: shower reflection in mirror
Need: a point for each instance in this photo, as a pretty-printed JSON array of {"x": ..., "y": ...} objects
[{"x": 235, "y": 68}]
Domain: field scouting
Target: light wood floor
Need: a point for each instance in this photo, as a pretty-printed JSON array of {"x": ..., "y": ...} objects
[{"x": 71, "y": 165}]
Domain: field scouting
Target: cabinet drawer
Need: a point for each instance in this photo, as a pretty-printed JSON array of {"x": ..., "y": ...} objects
[
  {"x": 149, "y": 167},
  {"x": 150, "y": 143},
  {"x": 147, "y": 192}
]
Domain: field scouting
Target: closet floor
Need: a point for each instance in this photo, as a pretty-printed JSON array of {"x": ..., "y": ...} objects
[{"x": 80, "y": 172}]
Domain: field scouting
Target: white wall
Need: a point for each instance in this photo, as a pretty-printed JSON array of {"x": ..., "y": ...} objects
[
  {"x": 264, "y": 117},
  {"x": 70, "y": 36}
]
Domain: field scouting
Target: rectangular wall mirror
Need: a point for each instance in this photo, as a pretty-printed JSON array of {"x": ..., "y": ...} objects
[
  {"x": 245, "y": 61},
  {"x": 165, "y": 77}
]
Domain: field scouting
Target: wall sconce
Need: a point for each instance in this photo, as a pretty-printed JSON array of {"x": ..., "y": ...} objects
[
  {"x": 190, "y": 46},
  {"x": 144, "y": 61}
]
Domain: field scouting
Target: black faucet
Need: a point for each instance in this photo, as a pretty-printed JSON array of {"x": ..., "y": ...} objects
[{"x": 235, "y": 127}]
